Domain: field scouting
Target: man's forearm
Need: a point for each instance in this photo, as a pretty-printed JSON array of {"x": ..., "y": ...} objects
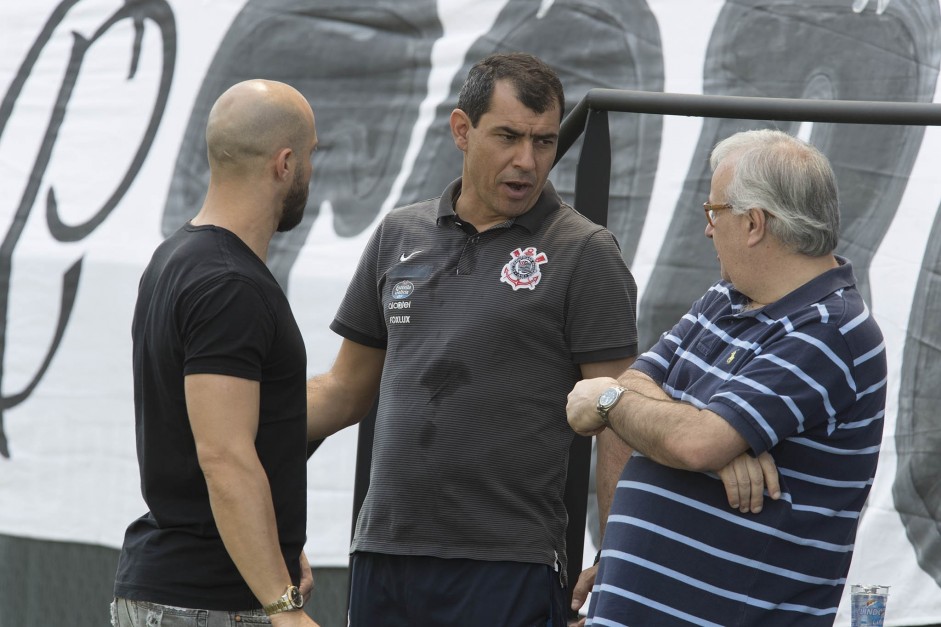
[
  {"x": 613, "y": 454},
  {"x": 674, "y": 433},
  {"x": 343, "y": 395},
  {"x": 240, "y": 497},
  {"x": 639, "y": 382},
  {"x": 328, "y": 409}
]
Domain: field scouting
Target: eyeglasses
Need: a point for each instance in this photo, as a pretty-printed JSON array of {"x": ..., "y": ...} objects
[{"x": 711, "y": 211}]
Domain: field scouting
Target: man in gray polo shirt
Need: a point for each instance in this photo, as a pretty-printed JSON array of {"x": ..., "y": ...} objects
[{"x": 473, "y": 315}]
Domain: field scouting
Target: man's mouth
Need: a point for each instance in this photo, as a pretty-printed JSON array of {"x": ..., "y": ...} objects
[{"x": 518, "y": 188}]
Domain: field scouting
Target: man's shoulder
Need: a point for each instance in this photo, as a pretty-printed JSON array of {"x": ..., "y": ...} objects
[
  {"x": 193, "y": 259},
  {"x": 191, "y": 245},
  {"x": 412, "y": 215},
  {"x": 570, "y": 216},
  {"x": 568, "y": 225},
  {"x": 854, "y": 321},
  {"x": 843, "y": 310},
  {"x": 428, "y": 206}
]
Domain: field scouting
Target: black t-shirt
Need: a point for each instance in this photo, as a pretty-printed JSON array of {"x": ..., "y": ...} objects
[{"x": 208, "y": 304}]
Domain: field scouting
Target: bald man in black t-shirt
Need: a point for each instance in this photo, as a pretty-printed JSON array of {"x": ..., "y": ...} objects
[{"x": 219, "y": 388}]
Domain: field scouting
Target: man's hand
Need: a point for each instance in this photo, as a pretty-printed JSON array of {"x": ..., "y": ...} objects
[
  {"x": 307, "y": 578},
  {"x": 586, "y": 581},
  {"x": 582, "y": 407},
  {"x": 299, "y": 618},
  {"x": 745, "y": 479}
]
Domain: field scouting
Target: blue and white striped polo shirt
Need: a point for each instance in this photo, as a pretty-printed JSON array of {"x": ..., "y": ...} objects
[{"x": 803, "y": 378}]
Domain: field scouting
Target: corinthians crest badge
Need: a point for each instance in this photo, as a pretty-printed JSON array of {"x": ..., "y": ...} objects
[{"x": 523, "y": 269}]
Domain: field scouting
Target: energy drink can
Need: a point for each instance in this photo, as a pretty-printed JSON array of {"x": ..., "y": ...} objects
[{"x": 868, "y": 605}]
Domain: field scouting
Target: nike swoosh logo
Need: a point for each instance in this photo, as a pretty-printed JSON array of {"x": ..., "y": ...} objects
[{"x": 405, "y": 257}]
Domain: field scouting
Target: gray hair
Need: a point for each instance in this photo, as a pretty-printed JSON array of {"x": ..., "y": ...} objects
[{"x": 788, "y": 178}]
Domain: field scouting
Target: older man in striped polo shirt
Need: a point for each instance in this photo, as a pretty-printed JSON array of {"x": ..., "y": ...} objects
[{"x": 782, "y": 356}]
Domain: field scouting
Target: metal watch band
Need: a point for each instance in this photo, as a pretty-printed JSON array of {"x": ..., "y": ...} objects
[
  {"x": 284, "y": 603},
  {"x": 281, "y": 605}
]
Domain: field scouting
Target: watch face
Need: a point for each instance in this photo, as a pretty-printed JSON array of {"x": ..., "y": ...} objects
[
  {"x": 295, "y": 595},
  {"x": 607, "y": 397}
]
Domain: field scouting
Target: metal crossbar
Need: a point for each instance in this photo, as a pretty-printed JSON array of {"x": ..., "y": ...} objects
[{"x": 745, "y": 108}]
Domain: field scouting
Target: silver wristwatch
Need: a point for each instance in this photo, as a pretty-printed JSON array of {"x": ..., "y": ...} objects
[{"x": 608, "y": 399}]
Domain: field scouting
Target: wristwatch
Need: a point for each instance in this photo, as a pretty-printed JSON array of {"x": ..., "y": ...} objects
[
  {"x": 291, "y": 600},
  {"x": 608, "y": 399}
]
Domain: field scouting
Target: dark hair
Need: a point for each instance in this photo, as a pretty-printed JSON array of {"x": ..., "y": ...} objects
[{"x": 536, "y": 84}]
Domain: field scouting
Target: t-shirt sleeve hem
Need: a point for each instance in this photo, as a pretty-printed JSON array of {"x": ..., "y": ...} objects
[
  {"x": 353, "y": 335},
  {"x": 605, "y": 354},
  {"x": 195, "y": 367}
]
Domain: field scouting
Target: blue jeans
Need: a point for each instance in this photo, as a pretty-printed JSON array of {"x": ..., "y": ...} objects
[{"x": 127, "y": 613}]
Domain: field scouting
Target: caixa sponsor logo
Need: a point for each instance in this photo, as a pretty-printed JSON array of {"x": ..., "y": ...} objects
[{"x": 402, "y": 289}]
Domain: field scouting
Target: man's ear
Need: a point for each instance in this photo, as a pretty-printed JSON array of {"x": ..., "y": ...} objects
[
  {"x": 460, "y": 127},
  {"x": 757, "y": 225},
  {"x": 284, "y": 163}
]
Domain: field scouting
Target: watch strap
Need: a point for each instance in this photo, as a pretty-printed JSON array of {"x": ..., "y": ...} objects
[{"x": 284, "y": 602}]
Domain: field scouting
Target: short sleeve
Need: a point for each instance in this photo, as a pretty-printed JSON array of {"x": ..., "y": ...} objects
[
  {"x": 656, "y": 362},
  {"x": 227, "y": 328},
  {"x": 601, "y": 316},
  {"x": 803, "y": 381},
  {"x": 359, "y": 317}
]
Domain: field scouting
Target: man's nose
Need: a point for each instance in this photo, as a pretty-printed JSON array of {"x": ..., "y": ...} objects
[{"x": 525, "y": 157}]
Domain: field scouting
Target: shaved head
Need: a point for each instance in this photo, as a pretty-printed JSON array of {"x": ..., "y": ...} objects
[{"x": 253, "y": 120}]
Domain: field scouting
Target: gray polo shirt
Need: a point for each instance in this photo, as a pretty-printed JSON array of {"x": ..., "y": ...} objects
[{"x": 484, "y": 334}]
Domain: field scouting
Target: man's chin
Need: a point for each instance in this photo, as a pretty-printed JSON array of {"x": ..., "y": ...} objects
[
  {"x": 290, "y": 219},
  {"x": 290, "y": 222},
  {"x": 284, "y": 227},
  {"x": 515, "y": 209}
]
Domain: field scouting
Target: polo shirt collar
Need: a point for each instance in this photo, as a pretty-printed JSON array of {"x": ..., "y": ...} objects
[
  {"x": 547, "y": 202},
  {"x": 811, "y": 292}
]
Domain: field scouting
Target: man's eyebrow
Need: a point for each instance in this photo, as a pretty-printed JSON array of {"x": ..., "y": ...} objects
[
  {"x": 506, "y": 130},
  {"x": 517, "y": 133}
]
